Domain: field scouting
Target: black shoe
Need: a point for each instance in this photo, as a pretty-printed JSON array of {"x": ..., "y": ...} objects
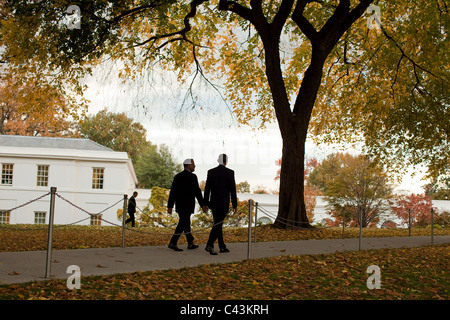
[
  {"x": 174, "y": 247},
  {"x": 192, "y": 246},
  {"x": 211, "y": 251},
  {"x": 224, "y": 250}
]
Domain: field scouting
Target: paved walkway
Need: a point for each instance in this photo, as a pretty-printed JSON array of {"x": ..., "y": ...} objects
[{"x": 17, "y": 267}]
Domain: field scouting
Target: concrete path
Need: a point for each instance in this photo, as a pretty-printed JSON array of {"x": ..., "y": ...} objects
[{"x": 17, "y": 267}]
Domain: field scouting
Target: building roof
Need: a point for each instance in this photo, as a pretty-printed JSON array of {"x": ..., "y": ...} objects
[
  {"x": 61, "y": 148},
  {"x": 50, "y": 142}
]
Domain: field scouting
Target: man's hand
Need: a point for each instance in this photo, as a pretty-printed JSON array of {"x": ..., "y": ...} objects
[{"x": 169, "y": 210}]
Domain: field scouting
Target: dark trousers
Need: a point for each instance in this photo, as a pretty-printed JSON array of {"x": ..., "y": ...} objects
[
  {"x": 131, "y": 218},
  {"x": 184, "y": 225},
  {"x": 216, "y": 230}
]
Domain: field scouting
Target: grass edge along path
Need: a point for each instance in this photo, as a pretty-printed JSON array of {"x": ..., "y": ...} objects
[
  {"x": 406, "y": 274},
  {"x": 31, "y": 237}
]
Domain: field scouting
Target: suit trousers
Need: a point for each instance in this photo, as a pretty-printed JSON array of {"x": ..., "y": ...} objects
[
  {"x": 216, "y": 230},
  {"x": 184, "y": 225},
  {"x": 131, "y": 218}
]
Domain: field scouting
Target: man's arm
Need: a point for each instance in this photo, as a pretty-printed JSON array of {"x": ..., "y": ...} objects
[
  {"x": 233, "y": 191},
  {"x": 173, "y": 191},
  {"x": 198, "y": 193},
  {"x": 207, "y": 189}
]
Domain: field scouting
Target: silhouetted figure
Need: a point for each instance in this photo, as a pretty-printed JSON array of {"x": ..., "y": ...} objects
[
  {"x": 132, "y": 209},
  {"x": 183, "y": 192},
  {"x": 220, "y": 187}
]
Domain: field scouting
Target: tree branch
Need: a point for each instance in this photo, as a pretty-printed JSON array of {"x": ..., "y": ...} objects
[
  {"x": 407, "y": 57},
  {"x": 282, "y": 15},
  {"x": 182, "y": 32},
  {"x": 305, "y": 26},
  {"x": 240, "y": 10}
]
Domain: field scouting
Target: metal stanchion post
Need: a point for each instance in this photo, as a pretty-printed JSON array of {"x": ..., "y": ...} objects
[
  {"x": 409, "y": 222},
  {"x": 360, "y": 229},
  {"x": 50, "y": 232},
  {"x": 343, "y": 225},
  {"x": 432, "y": 227},
  {"x": 256, "y": 217},
  {"x": 250, "y": 203},
  {"x": 124, "y": 218}
]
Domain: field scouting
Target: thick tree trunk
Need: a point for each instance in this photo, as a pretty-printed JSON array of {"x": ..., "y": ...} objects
[
  {"x": 291, "y": 207},
  {"x": 293, "y": 124}
]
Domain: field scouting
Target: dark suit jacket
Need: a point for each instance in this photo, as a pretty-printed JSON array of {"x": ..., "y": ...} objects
[
  {"x": 183, "y": 192},
  {"x": 132, "y": 205},
  {"x": 220, "y": 187}
]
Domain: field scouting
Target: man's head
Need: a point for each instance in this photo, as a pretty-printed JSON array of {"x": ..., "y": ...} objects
[
  {"x": 135, "y": 194},
  {"x": 189, "y": 164},
  {"x": 222, "y": 159}
]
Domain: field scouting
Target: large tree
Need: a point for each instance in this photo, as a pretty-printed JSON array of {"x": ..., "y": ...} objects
[
  {"x": 116, "y": 131},
  {"x": 282, "y": 59},
  {"x": 156, "y": 168},
  {"x": 154, "y": 165},
  {"x": 33, "y": 108}
]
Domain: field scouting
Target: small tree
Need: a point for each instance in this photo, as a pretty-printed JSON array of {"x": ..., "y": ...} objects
[
  {"x": 355, "y": 188},
  {"x": 154, "y": 213},
  {"x": 420, "y": 206},
  {"x": 233, "y": 220},
  {"x": 243, "y": 187}
]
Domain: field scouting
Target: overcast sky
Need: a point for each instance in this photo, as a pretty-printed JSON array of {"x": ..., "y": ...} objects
[{"x": 203, "y": 132}]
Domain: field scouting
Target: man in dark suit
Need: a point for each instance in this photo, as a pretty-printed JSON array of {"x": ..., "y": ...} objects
[
  {"x": 220, "y": 187},
  {"x": 132, "y": 208},
  {"x": 183, "y": 192}
]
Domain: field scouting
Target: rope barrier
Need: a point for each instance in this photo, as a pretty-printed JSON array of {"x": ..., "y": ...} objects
[
  {"x": 91, "y": 214},
  {"x": 281, "y": 220},
  {"x": 98, "y": 215},
  {"x": 28, "y": 202},
  {"x": 192, "y": 232},
  {"x": 286, "y": 221}
]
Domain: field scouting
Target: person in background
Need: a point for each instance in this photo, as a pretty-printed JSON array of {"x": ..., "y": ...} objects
[{"x": 132, "y": 209}]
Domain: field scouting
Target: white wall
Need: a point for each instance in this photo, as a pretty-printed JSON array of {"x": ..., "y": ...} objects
[{"x": 73, "y": 179}]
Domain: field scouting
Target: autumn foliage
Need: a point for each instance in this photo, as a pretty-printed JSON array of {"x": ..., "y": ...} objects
[{"x": 416, "y": 206}]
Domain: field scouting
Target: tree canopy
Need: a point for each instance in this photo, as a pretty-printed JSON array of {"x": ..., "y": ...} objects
[
  {"x": 156, "y": 167},
  {"x": 314, "y": 66},
  {"x": 116, "y": 131}
]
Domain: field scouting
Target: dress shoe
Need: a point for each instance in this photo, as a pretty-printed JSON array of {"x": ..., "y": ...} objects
[
  {"x": 211, "y": 251},
  {"x": 224, "y": 250},
  {"x": 192, "y": 246},
  {"x": 174, "y": 247}
]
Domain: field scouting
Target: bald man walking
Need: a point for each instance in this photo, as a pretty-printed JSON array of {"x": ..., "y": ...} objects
[{"x": 184, "y": 191}]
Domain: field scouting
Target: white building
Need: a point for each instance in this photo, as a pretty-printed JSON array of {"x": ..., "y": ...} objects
[{"x": 88, "y": 175}]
